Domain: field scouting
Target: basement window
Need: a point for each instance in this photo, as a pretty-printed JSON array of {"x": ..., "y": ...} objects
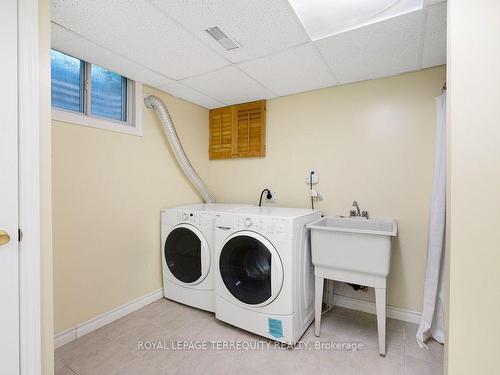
[{"x": 91, "y": 95}]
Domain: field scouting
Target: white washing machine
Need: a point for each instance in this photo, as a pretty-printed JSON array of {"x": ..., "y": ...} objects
[
  {"x": 264, "y": 277},
  {"x": 187, "y": 238}
]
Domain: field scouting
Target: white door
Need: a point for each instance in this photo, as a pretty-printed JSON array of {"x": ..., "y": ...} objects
[
  {"x": 251, "y": 269},
  {"x": 186, "y": 254},
  {"x": 9, "y": 265}
]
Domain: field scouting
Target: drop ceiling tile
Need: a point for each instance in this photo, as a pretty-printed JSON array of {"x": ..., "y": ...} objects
[
  {"x": 229, "y": 86},
  {"x": 435, "y": 36},
  {"x": 139, "y": 31},
  {"x": 187, "y": 93},
  {"x": 73, "y": 44},
  {"x": 151, "y": 78},
  {"x": 295, "y": 70},
  {"x": 379, "y": 50},
  {"x": 260, "y": 26}
]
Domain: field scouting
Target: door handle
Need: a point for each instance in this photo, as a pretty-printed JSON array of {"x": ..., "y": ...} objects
[{"x": 4, "y": 237}]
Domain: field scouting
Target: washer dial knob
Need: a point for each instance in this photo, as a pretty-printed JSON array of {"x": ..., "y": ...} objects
[{"x": 248, "y": 222}]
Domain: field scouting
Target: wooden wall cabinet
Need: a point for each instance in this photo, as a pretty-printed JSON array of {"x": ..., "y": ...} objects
[{"x": 238, "y": 131}]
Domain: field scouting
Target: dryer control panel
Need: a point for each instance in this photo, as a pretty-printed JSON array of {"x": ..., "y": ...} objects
[{"x": 200, "y": 219}]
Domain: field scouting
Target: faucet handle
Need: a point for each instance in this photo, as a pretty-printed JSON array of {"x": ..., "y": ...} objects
[
  {"x": 352, "y": 213},
  {"x": 364, "y": 214}
]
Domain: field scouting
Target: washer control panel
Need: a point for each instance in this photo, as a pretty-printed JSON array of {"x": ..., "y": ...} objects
[
  {"x": 278, "y": 227},
  {"x": 273, "y": 227},
  {"x": 258, "y": 224}
]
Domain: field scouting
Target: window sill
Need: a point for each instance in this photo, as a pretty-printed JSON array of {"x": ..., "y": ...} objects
[{"x": 101, "y": 123}]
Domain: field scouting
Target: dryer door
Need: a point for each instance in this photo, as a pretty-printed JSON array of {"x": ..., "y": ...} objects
[
  {"x": 251, "y": 268},
  {"x": 187, "y": 254}
]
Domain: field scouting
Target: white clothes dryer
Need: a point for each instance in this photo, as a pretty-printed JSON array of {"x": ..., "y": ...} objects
[{"x": 187, "y": 248}]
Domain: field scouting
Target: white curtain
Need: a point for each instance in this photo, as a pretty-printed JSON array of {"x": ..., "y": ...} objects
[{"x": 432, "y": 322}]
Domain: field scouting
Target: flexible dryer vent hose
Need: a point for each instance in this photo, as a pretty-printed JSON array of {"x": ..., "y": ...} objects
[{"x": 153, "y": 102}]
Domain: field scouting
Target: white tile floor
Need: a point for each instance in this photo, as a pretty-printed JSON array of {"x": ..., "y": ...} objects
[{"x": 114, "y": 349}]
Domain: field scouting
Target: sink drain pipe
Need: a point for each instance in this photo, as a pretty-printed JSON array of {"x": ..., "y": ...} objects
[{"x": 155, "y": 103}]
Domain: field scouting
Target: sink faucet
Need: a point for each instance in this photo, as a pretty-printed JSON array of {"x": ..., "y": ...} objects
[{"x": 357, "y": 212}]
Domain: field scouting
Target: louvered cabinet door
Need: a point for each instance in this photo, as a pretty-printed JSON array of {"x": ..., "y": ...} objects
[
  {"x": 251, "y": 129},
  {"x": 221, "y": 133},
  {"x": 238, "y": 131}
]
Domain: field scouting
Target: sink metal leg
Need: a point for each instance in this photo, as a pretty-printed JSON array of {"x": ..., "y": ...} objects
[
  {"x": 318, "y": 300},
  {"x": 381, "y": 310}
]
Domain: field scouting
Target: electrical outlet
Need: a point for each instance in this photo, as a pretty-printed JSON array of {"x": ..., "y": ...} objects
[
  {"x": 315, "y": 178},
  {"x": 273, "y": 198},
  {"x": 316, "y": 195}
]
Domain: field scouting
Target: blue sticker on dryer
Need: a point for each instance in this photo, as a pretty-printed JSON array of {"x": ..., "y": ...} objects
[{"x": 275, "y": 327}]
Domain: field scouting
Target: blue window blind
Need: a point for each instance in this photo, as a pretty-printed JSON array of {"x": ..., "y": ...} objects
[
  {"x": 67, "y": 81},
  {"x": 108, "y": 94},
  {"x": 71, "y": 80}
]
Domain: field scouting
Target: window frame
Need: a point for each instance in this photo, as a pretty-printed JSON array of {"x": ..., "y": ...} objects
[{"x": 134, "y": 102}]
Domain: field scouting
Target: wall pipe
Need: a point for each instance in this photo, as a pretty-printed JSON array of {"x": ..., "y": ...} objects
[{"x": 155, "y": 103}]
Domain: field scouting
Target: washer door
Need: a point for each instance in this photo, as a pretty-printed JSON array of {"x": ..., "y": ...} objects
[
  {"x": 251, "y": 268},
  {"x": 187, "y": 254}
]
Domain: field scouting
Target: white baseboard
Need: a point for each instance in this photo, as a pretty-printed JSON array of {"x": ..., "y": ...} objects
[
  {"x": 64, "y": 337},
  {"x": 99, "y": 321},
  {"x": 369, "y": 307}
]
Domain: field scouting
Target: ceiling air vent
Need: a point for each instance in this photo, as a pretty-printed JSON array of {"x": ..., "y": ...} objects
[{"x": 222, "y": 38}]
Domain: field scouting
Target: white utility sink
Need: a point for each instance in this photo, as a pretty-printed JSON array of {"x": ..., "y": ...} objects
[
  {"x": 353, "y": 244},
  {"x": 353, "y": 250}
]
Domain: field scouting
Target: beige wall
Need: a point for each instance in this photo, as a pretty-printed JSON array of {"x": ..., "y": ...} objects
[
  {"x": 47, "y": 318},
  {"x": 108, "y": 189},
  {"x": 474, "y": 122},
  {"x": 372, "y": 142}
]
